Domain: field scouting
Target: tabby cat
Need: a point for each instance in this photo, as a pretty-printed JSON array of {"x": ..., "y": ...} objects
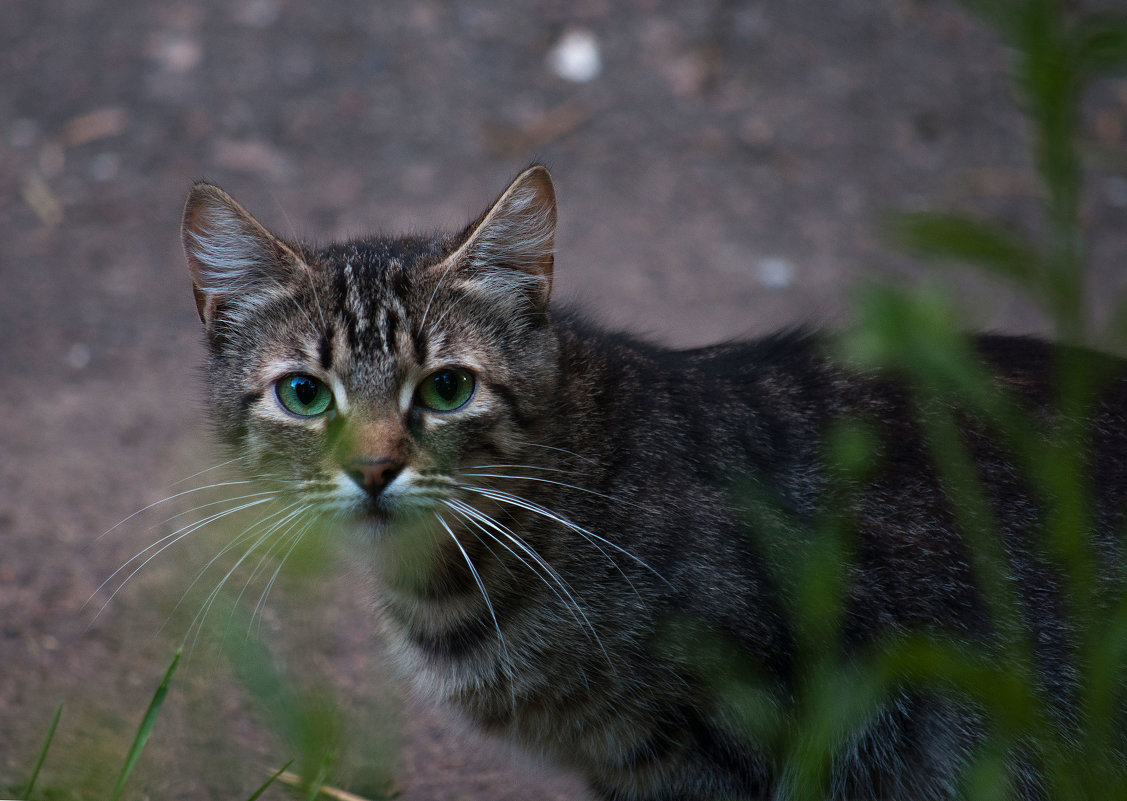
[{"x": 545, "y": 505}]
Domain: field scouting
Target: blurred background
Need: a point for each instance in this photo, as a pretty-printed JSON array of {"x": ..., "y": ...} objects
[{"x": 721, "y": 165}]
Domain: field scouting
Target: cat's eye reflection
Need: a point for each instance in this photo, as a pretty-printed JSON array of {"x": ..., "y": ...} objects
[
  {"x": 446, "y": 390},
  {"x": 303, "y": 395}
]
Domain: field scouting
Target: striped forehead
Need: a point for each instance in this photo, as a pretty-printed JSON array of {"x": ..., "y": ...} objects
[
  {"x": 371, "y": 312},
  {"x": 368, "y": 342}
]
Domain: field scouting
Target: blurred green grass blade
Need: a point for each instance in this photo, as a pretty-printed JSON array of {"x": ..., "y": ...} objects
[
  {"x": 146, "y": 726},
  {"x": 254, "y": 796},
  {"x": 43, "y": 751},
  {"x": 987, "y": 778},
  {"x": 1101, "y": 45},
  {"x": 1115, "y": 330},
  {"x": 916, "y": 333},
  {"x": 958, "y": 238},
  {"x": 1105, "y": 667},
  {"x": 1005, "y": 693},
  {"x": 309, "y": 721},
  {"x": 318, "y": 781}
]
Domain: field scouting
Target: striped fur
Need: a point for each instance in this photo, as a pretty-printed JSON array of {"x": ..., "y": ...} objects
[{"x": 554, "y": 558}]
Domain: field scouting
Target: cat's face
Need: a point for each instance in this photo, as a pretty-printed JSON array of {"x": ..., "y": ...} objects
[{"x": 369, "y": 378}]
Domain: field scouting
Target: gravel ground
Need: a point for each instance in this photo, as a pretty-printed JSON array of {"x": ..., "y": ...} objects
[{"x": 721, "y": 168}]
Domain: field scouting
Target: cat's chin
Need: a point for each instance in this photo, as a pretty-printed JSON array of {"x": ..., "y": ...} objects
[
  {"x": 375, "y": 522},
  {"x": 376, "y": 519},
  {"x": 368, "y": 529}
]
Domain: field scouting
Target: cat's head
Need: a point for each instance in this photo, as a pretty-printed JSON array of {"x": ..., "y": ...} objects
[{"x": 368, "y": 375}]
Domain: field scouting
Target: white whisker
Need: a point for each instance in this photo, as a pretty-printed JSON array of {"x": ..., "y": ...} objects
[
  {"x": 209, "y": 469},
  {"x": 171, "y": 498},
  {"x": 590, "y": 536},
  {"x": 297, "y": 538},
  {"x": 480, "y": 520},
  {"x": 201, "y": 616},
  {"x": 169, "y": 540},
  {"x": 278, "y": 543},
  {"x": 246, "y": 534},
  {"x": 516, "y": 466},
  {"x": 558, "y": 484},
  {"x": 426, "y": 311},
  {"x": 561, "y": 450},
  {"x": 262, "y": 494},
  {"x": 507, "y": 664}
]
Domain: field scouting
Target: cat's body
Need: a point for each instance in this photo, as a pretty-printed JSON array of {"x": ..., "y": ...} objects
[{"x": 560, "y": 519}]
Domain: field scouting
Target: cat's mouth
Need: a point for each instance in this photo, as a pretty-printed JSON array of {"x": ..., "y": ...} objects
[
  {"x": 386, "y": 514},
  {"x": 377, "y": 511},
  {"x": 404, "y": 500}
]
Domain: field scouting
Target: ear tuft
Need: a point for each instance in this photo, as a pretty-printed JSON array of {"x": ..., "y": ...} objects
[
  {"x": 232, "y": 258},
  {"x": 513, "y": 243}
]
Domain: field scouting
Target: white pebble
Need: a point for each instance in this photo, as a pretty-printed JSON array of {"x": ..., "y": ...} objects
[
  {"x": 79, "y": 355},
  {"x": 576, "y": 56},
  {"x": 774, "y": 272},
  {"x": 104, "y": 167},
  {"x": 175, "y": 52}
]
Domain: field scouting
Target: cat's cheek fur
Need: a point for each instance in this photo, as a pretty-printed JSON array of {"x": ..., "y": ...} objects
[{"x": 287, "y": 449}]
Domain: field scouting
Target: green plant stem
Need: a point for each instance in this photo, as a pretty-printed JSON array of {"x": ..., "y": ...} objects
[
  {"x": 43, "y": 752},
  {"x": 254, "y": 796},
  {"x": 146, "y": 727}
]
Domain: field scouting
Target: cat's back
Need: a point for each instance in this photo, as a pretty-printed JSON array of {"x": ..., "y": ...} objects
[
  {"x": 698, "y": 426},
  {"x": 736, "y": 437},
  {"x": 768, "y": 404}
]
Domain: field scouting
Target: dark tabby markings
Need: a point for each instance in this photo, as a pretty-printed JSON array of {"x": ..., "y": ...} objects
[
  {"x": 325, "y": 348},
  {"x": 459, "y": 641},
  {"x": 419, "y": 342},
  {"x": 390, "y": 331},
  {"x": 511, "y": 406},
  {"x": 344, "y": 311},
  {"x": 248, "y": 399}
]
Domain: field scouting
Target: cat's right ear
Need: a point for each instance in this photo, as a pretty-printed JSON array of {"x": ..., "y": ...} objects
[
  {"x": 508, "y": 252},
  {"x": 232, "y": 259}
]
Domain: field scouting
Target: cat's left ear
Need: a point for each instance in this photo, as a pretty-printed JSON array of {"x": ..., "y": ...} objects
[
  {"x": 511, "y": 248},
  {"x": 234, "y": 262}
]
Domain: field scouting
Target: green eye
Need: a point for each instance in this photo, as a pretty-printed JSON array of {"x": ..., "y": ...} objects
[
  {"x": 446, "y": 390},
  {"x": 304, "y": 395}
]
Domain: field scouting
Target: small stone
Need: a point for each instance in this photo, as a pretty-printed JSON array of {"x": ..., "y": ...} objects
[
  {"x": 105, "y": 167},
  {"x": 176, "y": 52},
  {"x": 774, "y": 272},
  {"x": 79, "y": 356},
  {"x": 576, "y": 56},
  {"x": 41, "y": 200},
  {"x": 100, "y": 124}
]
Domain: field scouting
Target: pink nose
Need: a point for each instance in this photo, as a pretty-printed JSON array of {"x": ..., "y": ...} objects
[{"x": 374, "y": 475}]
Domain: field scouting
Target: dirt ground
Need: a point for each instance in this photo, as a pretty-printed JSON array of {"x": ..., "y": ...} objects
[{"x": 721, "y": 175}]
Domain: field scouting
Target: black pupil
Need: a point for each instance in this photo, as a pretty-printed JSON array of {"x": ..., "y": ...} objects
[
  {"x": 446, "y": 385},
  {"x": 305, "y": 389}
]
